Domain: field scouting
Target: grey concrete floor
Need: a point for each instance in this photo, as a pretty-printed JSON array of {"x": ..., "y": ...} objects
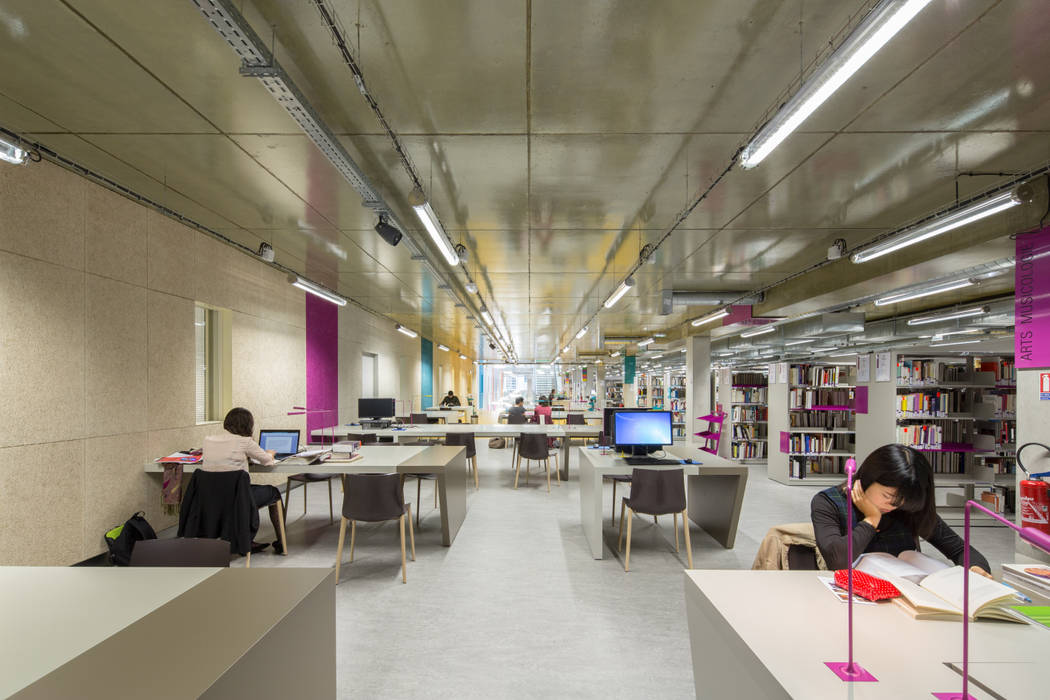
[{"x": 517, "y": 607}]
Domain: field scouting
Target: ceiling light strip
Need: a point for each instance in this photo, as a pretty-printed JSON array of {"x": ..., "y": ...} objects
[
  {"x": 759, "y": 331},
  {"x": 624, "y": 287},
  {"x": 918, "y": 293},
  {"x": 721, "y": 313},
  {"x": 955, "y": 315},
  {"x": 316, "y": 289}
]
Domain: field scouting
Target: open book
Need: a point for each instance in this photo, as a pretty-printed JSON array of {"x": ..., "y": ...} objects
[{"x": 932, "y": 590}]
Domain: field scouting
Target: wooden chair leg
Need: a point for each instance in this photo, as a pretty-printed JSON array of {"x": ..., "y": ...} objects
[
  {"x": 474, "y": 461},
  {"x": 353, "y": 538},
  {"x": 331, "y": 508},
  {"x": 676, "y": 532},
  {"x": 435, "y": 493},
  {"x": 280, "y": 521},
  {"x": 619, "y": 540},
  {"x": 557, "y": 472},
  {"x": 517, "y": 471},
  {"x": 339, "y": 551},
  {"x": 305, "y": 484},
  {"x": 528, "y": 469},
  {"x": 547, "y": 463},
  {"x": 287, "y": 493},
  {"x": 248, "y": 559},
  {"x": 419, "y": 490},
  {"x": 612, "y": 515},
  {"x": 688, "y": 545},
  {"x": 411, "y": 531},
  {"x": 627, "y": 557},
  {"x": 401, "y": 526}
]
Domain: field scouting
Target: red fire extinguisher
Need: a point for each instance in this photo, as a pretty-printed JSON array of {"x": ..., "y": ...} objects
[{"x": 1034, "y": 496}]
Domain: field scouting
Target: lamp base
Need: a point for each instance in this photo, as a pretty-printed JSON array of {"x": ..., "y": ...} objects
[
  {"x": 858, "y": 674},
  {"x": 953, "y": 696}
]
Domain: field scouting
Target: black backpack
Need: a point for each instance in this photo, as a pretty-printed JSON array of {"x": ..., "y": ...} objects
[{"x": 121, "y": 539}]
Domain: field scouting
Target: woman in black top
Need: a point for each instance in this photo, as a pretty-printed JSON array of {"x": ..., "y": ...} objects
[{"x": 893, "y": 507}]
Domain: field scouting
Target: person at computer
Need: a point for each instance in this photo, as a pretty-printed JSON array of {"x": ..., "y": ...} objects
[
  {"x": 230, "y": 450},
  {"x": 518, "y": 409},
  {"x": 450, "y": 400},
  {"x": 893, "y": 506}
]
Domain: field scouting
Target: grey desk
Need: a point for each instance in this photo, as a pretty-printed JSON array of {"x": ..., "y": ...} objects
[
  {"x": 94, "y": 632},
  {"x": 483, "y": 431},
  {"x": 715, "y": 492},
  {"x": 767, "y": 634},
  {"x": 449, "y": 464}
]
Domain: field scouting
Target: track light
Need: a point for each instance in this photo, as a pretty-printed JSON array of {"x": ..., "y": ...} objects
[
  {"x": 898, "y": 297},
  {"x": 407, "y": 331},
  {"x": 647, "y": 341},
  {"x": 721, "y": 313},
  {"x": 582, "y": 332},
  {"x": 387, "y": 232},
  {"x": 964, "y": 313},
  {"x": 762, "y": 330},
  {"x": 624, "y": 287},
  {"x": 472, "y": 287},
  {"x": 941, "y": 224},
  {"x": 316, "y": 290},
  {"x": 442, "y": 347},
  {"x": 462, "y": 356},
  {"x": 430, "y": 222},
  {"x": 12, "y": 152},
  {"x": 880, "y": 25}
]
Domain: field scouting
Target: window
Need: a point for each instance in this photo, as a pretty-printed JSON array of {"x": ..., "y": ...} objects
[
  {"x": 211, "y": 363},
  {"x": 369, "y": 374}
]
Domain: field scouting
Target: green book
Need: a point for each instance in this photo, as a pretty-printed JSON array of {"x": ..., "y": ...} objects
[{"x": 1039, "y": 614}]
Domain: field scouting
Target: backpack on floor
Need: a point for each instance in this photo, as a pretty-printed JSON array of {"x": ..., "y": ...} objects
[
  {"x": 497, "y": 443},
  {"x": 121, "y": 539}
]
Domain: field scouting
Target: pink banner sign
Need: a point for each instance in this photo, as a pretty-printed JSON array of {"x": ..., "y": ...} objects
[
  {"x": 1032, "y": 300},
  {"x": 785, "y": 441}
]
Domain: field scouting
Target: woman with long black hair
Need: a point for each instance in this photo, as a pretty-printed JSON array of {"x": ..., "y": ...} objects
[{"x": 893, "y": 506}]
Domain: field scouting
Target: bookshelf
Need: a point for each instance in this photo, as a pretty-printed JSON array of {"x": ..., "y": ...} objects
[
  {"x": 812, "y": 419},
  {"x": 656, "y": 392},
  {"x": 748, "y": 417},
  {"x": 613, "y": 393},
  {"x": 676, "y": 396}
]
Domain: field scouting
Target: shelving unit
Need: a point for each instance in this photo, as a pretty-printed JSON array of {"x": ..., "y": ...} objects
[
  {"x": 812, "y": 417},
  {"x": 676, "y": 395},
  {"x": 748, "y": 417},
  {"x": 613, "y": 393},
  {"x": 656, "y": 392},
  {"x": 712, "y": 436}
]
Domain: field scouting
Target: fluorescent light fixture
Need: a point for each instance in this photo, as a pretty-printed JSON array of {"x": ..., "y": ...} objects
[
  {"x": 647, "y": 341},
  {"x": 430, "y": 222},
  {"x": 316, "y": 290},
  {"x": 762, "y": 330},
  {"x": 487, "y": 317},
  {"x": 968, "y": 331},
  {"x": 624, "y": 287},
  {"x": 462, "y": 356},
  {"x": 801, "y": 342},
  {"x": 844, "y": 354},
  {"x": 683, "y": 350},
  {"x": 476, "y": 362},
  {"x": 582, "y": 332},
  {"x": 407, "y": 331},
  {"x": 964, "y": 313},
  {"x": 721, "y": 313},
  {"x": 615, "y": 354},
  {"x": 565, "y": 349},
  {"x": 442, "y": 347},
  {"x": 823, "y": 349},
  {"x": 942, "y": 224},
  {"x": 12, "y": 152},
  {"x": 881, "y": 24},
  {"x": 954, "y": 342},
  {"x": 598, "y": 362},
  {"x": 656, "y": 357},
  {"x": 898, "y": 297}
]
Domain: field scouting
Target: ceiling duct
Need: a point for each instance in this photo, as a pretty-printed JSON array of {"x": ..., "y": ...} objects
[
  {"x": 673, "y": 298},
  {"x": 622, "y": 339}
]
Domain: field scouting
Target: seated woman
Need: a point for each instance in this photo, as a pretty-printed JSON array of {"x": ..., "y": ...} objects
[
  {"x": 543, "y": 409},
  {"x": 230, "y": 450},
  {"x": 893, "y": 504}
]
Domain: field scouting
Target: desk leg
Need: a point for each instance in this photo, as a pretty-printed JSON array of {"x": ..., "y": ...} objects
[
  {"x": 591, "y": 507},
  {"x": 715, "y": 501},
  {"x": 564, "y": 459},
  {"x": 452, "y": 496}
]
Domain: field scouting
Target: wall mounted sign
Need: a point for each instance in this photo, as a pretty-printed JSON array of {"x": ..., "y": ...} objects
[
  {"x": 1044, "y": 386},
  {"x": 1032, "y": 300}
]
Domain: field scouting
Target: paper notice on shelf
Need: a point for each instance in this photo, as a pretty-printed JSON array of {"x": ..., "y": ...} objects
[
  {"x": 842, "y": 594},
  {"x": 864, "y": 369},
  {"x": 882, "y": 366},
  {"x": 782, "y": 373}
]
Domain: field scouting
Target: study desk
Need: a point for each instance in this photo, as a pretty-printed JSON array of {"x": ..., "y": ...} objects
[
  {"x": 714, "y": 492},
  {"x": 767, "y": 634},
  {"x": 562, "y": 415},
  {"x": 448, "y": 464},
  {"x": 482, "y": 431},
  {"x": 118, "y": 632}
]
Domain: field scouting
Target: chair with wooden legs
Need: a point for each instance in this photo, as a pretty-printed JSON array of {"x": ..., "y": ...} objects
[
  {"x": 655, "y": 492},
  {"x": 374, "y": 498},
  {"x": 533, "y": 447},
  {"x": 307, "y": 478},
  {"x": 466, "y": 440},
  {"x": 512, "y": 419}
]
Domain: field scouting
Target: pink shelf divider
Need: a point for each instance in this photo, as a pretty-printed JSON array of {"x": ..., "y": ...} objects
[{"x": 860, "y": 399}]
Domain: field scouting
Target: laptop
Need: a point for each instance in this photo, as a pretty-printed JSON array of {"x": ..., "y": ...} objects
[{"x": 284, "y": 442}]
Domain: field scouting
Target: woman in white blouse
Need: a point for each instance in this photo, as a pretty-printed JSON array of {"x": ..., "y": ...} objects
[{"x": 230, "y": 451}]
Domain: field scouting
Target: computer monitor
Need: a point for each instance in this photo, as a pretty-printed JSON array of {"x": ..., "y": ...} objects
[
  {"x": 609, "y": 425},
  {"x": 642, "y": 432},
  {"x": 375, "y": 408},
  {"x": 284, "y": 442}
]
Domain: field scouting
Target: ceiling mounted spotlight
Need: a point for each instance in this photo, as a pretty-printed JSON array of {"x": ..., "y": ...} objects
[
  {"x": 387, "y": 232},
  {"x": 624, "y": 287},
  {"x": 472, "y": 287},
  {"x": 407, "y": 331},
  {"x": 266, "y": 252},
  {"x": 461, "y": 251}
]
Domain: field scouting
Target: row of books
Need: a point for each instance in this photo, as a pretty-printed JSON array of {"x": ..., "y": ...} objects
[
  {"x": 676, "y": 392},
  {"x": 1003, "y": 405},
  {"x": 749, "y": 378},
  {"x": 750, "y": 395},
  {"x": 676, "y": 405},
  {"x": 801, "y": 467},
  {"x": 808, "y": 398},
  {"x": 820, "y": 375},
  {"x": 748, "y": 450},
  {"x": 933, "y": 435},
  {"x": 1003, "y": 369},
  {"x": 810, "y": 443},
  {"x": 746, "y": 414},
  {"x": 1005, "y": 433},
  {"x": 947, "y": 462},
  {"x": 936, "y": 403},
  {"x": 749, "y": 432},
  {"x": 999, "y": 464},
  {"x": 828, "y": 420}
]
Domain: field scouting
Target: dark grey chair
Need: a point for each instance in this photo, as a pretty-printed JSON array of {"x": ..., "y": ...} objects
[
  {"x": 374, "y": 498},
  {"x": 656, "y": 492},
  {"x": 467, "y": 440},
  {"x": 181, "y": 551},
  {"x": 515, "y": 420},
  {"x": 533, "y": 447}
]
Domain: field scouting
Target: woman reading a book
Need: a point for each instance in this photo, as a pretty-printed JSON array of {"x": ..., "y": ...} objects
[{"x": 893, "y": 506}]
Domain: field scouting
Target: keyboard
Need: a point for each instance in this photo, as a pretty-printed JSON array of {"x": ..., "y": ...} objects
[{"x": 646, "y": 461}]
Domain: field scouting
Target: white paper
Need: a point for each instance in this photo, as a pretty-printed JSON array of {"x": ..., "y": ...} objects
[
  {"x": 913, "y": 567},
  {"x": 841, "y": 593},
  {"x": 882, "y": 366},
  {"x": 864, "y": 369},
  {"x": 782, "y": 373},
  {"x": 771, "y": 371}
]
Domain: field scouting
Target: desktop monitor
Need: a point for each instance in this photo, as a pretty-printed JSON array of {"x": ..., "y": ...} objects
[
  {"x": 609, "y": 425},
  {"x": 284, "y": 442},
  {"x": 375, "y": 408},
  {"x": 641, "y": 432}
]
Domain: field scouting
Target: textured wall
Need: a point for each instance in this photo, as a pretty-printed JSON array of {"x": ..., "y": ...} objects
[{"x": 96, "y": 356}]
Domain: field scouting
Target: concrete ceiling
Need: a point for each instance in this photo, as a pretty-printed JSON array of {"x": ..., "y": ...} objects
[{"x": 554, "y": 139}]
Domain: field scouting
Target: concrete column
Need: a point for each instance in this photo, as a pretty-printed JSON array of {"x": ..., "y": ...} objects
[
  {"x": 1033, "y": 415},
  {"x": 599, "y": 386},
  {"x": 697, "y": 383},
  {"x": 630, "y": 391}
]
